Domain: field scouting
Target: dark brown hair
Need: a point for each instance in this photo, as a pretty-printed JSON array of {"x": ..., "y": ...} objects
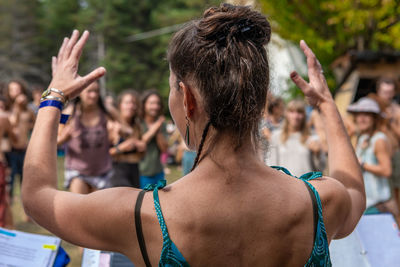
[
  {"x": 21, "y": 84},
  {"x": 145, "y": 95},
  {"x": 136, "y": 96},
  {"x": 273, "y": 102},
  {"x": 300, "y": 106},
  {"x": 100, "y": 103},
  {"x": 386, "y": 80},
  {"x": 223, "y": 55}
]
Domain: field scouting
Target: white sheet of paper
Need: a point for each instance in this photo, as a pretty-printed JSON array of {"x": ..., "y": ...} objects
[
  {"x": 20, "y": 249},
  {"x": 90, "y": 258},
  {"x": 95, "y": 258}
]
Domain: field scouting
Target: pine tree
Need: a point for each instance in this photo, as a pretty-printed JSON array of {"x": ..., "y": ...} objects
[{"x": 18, "y": 45}]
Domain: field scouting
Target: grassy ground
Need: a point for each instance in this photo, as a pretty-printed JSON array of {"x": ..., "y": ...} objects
[{"x": 73, "y": 251}]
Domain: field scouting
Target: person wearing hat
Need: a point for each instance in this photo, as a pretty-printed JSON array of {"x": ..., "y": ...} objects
[{"x": 373, "y": 152}]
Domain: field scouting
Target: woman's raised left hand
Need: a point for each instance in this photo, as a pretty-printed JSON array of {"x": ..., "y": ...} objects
[
  {"x": 316, "y": 90},
  {"x": 65, "y": 67}
]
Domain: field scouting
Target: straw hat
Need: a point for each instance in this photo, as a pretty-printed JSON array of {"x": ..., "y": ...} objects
[{"x": 364, "y": 104}]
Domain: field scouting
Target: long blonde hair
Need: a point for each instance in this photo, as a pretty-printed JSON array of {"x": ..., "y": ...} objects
[{"x": 299, "y": 106}]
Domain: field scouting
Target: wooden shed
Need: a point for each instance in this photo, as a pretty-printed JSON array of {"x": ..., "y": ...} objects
[{"x": 358, "y": 71}]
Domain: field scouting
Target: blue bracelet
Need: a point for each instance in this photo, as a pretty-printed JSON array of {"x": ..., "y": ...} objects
[
  {"x": 57, "y": 104},
  {"x": 64, "y": 118},
  {"x": 52, "y": 103}
]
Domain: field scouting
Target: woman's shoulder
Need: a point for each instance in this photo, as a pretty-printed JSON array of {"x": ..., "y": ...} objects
[
  {"x": 379, "y": 135},
  {"x": 276, "y": 135}
]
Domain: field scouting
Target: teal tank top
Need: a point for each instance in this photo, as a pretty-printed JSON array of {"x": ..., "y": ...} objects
[{"x": 171, "y": 256}]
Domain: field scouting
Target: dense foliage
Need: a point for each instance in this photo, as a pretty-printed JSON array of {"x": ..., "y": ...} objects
[
  {"x": 332, "y": 27},
  {"x": 32, "y": 30}
]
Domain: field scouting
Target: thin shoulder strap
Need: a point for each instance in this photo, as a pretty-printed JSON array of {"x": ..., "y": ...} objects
[
  {"x": 315, "y": 209},
  {"x": 316, "y": 201},
  {"x": 139, "y": 232},
  {"x": 320, "y": 252},
  {"x": 160, "y": 217}
]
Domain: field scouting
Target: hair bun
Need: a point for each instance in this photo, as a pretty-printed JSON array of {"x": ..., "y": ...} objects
[{"x": 234, "y": 23}]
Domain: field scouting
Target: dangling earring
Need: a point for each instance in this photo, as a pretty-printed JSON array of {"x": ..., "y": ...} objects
[{"x": 187, "y": 134}]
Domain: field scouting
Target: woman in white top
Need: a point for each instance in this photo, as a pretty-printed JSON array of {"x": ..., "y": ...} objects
[
  {"x": 374, "y": 153},
  {"x": 292, "y": 146}
]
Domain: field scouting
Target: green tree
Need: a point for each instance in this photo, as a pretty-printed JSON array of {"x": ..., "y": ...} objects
[
  {"x": 332, "y": 27},
  {"x": 57, "y": 19},
  {"x": 32, "y": 31},
  {"x": 19, "y": 47},
  {"x": 140, "y": 64}
]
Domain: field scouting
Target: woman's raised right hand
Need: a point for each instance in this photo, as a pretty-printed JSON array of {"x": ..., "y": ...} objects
[{"x": 65, "y": 67}]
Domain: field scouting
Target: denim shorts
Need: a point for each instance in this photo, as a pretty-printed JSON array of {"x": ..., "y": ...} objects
[{"x": 98, "y": 182}]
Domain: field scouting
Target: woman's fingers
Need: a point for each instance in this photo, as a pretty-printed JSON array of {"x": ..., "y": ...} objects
[
  {"x": 93, "y": 76},
  {"x": 71, "y": 43},
  {"x": 53, "y": 65},
  {"x": 62, "y": 48},
  {"x": 316, "y": 90},
  {"x": 78, "y": 48},
  {"x": 300, "y": 82},
  {"x": 65, "y": 66},
  {"x": 306, "y": 49},
  {"x": 314, "y": 67}
]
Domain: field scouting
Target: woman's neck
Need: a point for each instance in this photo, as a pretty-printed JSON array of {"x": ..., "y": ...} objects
[
  {"x": 89, "y": 108},
  {"x": 369, "y": 132},
  {"x": 293, "y": 129},
  {"x": 149, "y": 119},
  {"x": 127, "y": 120},
  {"x": 275, "y": 119},
  {"x": 225, "y": 156}
]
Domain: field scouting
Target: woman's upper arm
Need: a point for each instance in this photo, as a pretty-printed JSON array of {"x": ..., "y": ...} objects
[
  {"x": 342, "y": 208},
  {"x": 382, "y": 153},
  {"x": 101, "y": 220}
]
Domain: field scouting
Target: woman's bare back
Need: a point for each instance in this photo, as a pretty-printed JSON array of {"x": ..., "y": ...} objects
[{"x": 271, "y": 218}]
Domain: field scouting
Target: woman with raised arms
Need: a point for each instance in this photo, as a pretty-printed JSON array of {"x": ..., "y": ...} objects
[{"x": 231, "y": 210}]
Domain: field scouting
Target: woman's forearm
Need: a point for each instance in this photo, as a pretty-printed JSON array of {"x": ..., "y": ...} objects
[
  {"x": 343, "y": 163},
  {"x": 40, "y": 168},
  {"x": 162, "y": 142},
  {"x": 63, "y": 135},
  {"x": 128, "y": 145},
  {"x": 151, "y": 132},
  {"x": 377, "y": 170}
]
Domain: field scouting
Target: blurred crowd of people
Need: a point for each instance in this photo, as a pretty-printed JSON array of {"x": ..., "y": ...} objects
[
  {"x": 107, "y": 143},
  {"x": 295, "y": 139},
  {"x": 128, "y": 142}
]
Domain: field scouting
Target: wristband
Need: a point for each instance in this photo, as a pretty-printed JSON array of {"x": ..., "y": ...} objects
[
  {"x": 58, "y": 104},
  {"x": 52, "y": 103},
  {"x": 64, "y": 118}
]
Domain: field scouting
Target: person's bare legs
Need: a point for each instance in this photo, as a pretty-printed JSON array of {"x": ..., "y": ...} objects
[
  {"x": 79, "y": 186},
  {"x": 8, "y": 220}
]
